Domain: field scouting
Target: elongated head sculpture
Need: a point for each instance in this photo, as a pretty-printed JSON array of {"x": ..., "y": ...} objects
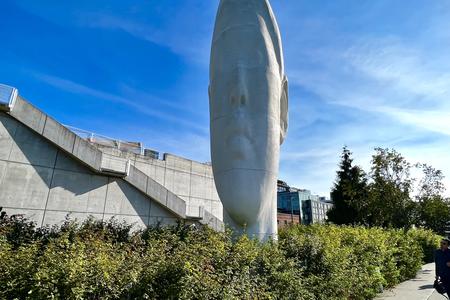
[{"x": 248, "y": 94}]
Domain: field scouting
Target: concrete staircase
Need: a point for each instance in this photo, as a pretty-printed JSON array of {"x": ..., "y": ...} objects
[{"x": 99, "y": 162}]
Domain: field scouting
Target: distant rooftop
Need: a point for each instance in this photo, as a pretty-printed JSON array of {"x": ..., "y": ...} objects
[{"x": 284, "y": 187}]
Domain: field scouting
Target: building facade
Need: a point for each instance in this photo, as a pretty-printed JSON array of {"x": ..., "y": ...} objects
[
  {"x": 299, "y": 204},
  {"x": 315, "y": 211},
  {"x": 287, "y": 219}
]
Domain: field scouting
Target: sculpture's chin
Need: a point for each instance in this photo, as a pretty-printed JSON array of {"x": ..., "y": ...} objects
[{"x": 245, "y": 193}]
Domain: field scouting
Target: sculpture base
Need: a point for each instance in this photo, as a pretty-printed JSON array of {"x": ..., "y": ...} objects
[{"x": 265, "y": 229}]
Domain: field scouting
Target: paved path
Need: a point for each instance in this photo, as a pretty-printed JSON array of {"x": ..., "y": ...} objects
[
  {"x": 419, "y": 288},
  {"x": 436, "y": 296}
]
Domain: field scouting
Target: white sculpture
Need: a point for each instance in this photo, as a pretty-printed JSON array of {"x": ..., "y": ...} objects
[{"x": 249, "y": 114}]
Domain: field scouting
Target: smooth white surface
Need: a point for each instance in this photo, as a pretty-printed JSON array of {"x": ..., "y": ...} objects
[{"x": 248, "y": 111}]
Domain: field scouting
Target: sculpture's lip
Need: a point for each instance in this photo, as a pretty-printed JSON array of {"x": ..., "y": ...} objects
[
  {"x": 239, "y": 132},
  {"x": 239, "y": 140}
]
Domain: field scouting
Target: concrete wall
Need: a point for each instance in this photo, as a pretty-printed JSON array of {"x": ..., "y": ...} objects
[
  {"x": 190, "y": 180},
  {"x": 41, "y": 181}
]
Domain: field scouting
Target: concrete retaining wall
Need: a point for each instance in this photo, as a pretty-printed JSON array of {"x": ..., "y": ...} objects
[
  {"x": 41, "y": 181},
  {"x": 190, "y": 180}
]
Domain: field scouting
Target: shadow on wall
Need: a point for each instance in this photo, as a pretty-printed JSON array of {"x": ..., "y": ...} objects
[
  {"x": 29, "y": 148},
  {"x": 40, "y": 176}
]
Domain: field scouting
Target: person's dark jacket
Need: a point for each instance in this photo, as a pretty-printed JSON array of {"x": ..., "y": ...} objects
[{"x": 441, "y": 258}]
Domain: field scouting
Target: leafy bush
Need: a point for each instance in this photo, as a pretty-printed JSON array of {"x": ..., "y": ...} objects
[
  {"x": 105, "y": 260},
  {"x": 428, "y": 242}
]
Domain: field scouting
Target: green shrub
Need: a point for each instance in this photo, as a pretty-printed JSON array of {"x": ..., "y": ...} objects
[
  {"x": 105, "y": 260},
  {"x": 343, "y": 262},
  {"x": 428, "y": 242}
]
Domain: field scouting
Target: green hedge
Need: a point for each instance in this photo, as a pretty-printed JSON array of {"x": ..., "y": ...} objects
[
  {"x": 97, "y": 260},
  {"x": 343, "y": 262}
]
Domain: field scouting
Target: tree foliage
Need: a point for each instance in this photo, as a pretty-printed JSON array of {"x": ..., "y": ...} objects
[
  {"x": 385, "y": 196},
  {"x": 390, "y": 188},
  {"x": 433, "y": 208},
  {"x": 349, "y": 193}
]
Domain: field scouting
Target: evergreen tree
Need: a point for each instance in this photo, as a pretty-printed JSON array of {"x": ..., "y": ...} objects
[{"x": 349, "y": 194}]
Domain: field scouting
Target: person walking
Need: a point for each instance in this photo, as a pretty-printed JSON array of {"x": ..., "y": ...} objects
[{"x": 442, "y": 261}]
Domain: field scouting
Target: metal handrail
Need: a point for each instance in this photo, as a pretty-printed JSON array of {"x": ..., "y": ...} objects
[
  {"x": 8, "y": 95},
  {"x": 102, "y": 140}
]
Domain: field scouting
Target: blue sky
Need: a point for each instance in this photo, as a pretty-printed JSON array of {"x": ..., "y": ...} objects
[{"x": 362, "y": 73}]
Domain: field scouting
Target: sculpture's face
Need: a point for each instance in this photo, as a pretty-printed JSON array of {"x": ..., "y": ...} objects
[
  {"x": 248, "y": 107},
  {"x": 245, "y": 143}
]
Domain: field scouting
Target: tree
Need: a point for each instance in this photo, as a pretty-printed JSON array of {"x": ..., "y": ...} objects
[
  {"x": 384, "y": 197},
  {"x": 434, "y": 209},
  {"x": 431, "y": 183},
  {"x": 390, "y": 204},
  {"x": 349, "y": 194}
]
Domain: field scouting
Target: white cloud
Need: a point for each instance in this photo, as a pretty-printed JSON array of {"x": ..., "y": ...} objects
[
  {"x": 138, "y": 106},
  {"x": 437, "y": 120},
  {"x": 402, "y": 68},
  {"x": 184, "y": 32}
]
